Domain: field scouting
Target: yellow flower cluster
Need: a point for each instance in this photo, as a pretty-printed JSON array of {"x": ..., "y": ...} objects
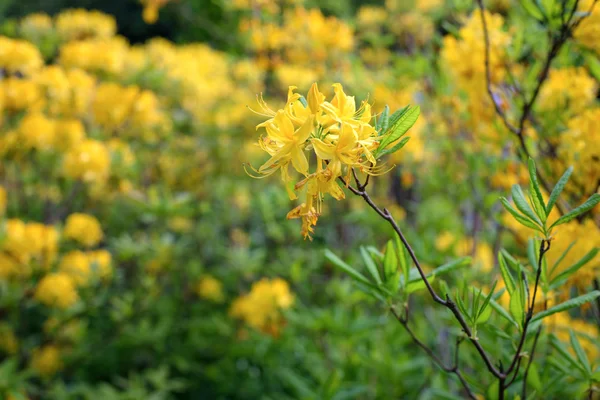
[
  {"x": 583, "y": 237},
  {"x": 84, "y": 229},
  {"x": 105, "y": 55},
  {"x": 19, "y": 56},
  {"x": 580, "y": 147},
  {"x": 588, "y": 31},
  {"x": 465, "y": 56},
  {"x": 210, "y": 288},
  {"x": 80, "y": 24},
  {"x": 261, "y": 308},
  {"x": 151, "y": 8},
  {"x": 306, "y": 42},
  {"x": 46, "y": 360},
  {"x": 569, "y": 90},
  {"x": 82, "y": 267},
  {"x": 337, "y": 132},
  {"x": 26, "y": 244},
  {"x": 57, "y": 290}
]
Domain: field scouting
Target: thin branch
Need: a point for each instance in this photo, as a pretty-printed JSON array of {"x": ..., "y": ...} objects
[
  {"x": 448, "y": 303},
  {"x": 453, "y": 370},
  {"x": 544, "y": 247},
  {"x": 535, "y": 342}
]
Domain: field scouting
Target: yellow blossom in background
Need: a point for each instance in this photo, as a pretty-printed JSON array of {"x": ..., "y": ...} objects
[
  {"x": 19, "y": 56},
  {"x": 37, "y": 131},
  {"x": 428, "y": 5},
  {"x": 68, "y": 133},
  {"x": 464, "y": 56},
  {"x": 210, "y": 288},
  {"x": 20, "y": 94},
  {"x": 56, "y": 290},
  {"x": 583, "y": 237},
  {"x": 151, "y": 7},
  {"x": 100, "y": 263},
  {"x": 78, "y": 24},
  {"x": 107, "y": 55},
  {"x": 9, "y": 344},
  {"x": 588, "y": 31},
  {"x": 261, "y": 308},
  {"x": 46, "y": 360},
  {"x": 84, "y": 229},
  {"x": 580, "y": 147},
  {"x": 35, "y": 25},
  {"x": 371, "y": 17},
  {"x": 77, "y": 266},
  {"x": 88, "y": 161},
  {"x": 568, "y": 89}
]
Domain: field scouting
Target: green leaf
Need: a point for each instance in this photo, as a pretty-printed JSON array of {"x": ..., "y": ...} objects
[
  {"x": 384, "y": 119},
  {"x": 571, "y": 303},
  {"x": 357, "y": 276},
  {"x": 533, "y": 378},
  {"x": 558, "y": 189},
  {"x": 396, "y": 147},
  {"x": 484, "y": 307},
  {"x": 371, "y": 266},
  {"x": 416, "y": 285},
  {"x": 520, "y": 218},
  {"x": 562, "y": 256},
  {"x": 533, "y": 10},
  {"x": 581, "y": 356},
  {"x": 399, "y": 127},
  {"x": 503, "y": 313},
  {"x": 517, "y": 303},
  {"x": 509, "y": 281},
  {"x": 449, "y": 267},
  {"x": 390, "y": 261},
  {"x": 560, "y": 347},
  {"x": 564, "y": 276},
  {"x": 585, "y": 207},
  {"x": 538, "y": 199},
  {"x": 522, "y": 204}
]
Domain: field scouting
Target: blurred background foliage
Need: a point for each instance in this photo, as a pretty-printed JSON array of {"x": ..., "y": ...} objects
[{"x": 183, "y": 279}]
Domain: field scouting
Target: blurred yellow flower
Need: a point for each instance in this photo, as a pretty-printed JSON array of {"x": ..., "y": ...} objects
[
  {"x": 84, "y": 229},
  {"x": 57, "y": 290},
  {"x": 88, "y": 161},
  {"x": 261, "y": 308},
  {"x": 46, "y": 360},
  {"x": 210, "y": 288}
]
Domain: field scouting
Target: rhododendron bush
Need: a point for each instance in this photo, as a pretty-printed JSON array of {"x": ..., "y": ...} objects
[{"x": 300, "y": 199}]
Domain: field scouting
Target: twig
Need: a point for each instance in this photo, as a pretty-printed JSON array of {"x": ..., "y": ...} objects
[
  {"x": 453, "y": 369},
  {"x": 448, "y": 303},
  {"x": 535, "y": 341},
  {"x": 556, "y": 45}
]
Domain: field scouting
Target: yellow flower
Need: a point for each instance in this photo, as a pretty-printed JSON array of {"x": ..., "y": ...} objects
[
  {"x": 9, "y": 344},
  {"x": 83, "y": 228},
  {"x": 19, "y": 56},
  {"x": 68, "y": 133},
  {"x": 261, "y": 308},
  {"x": 588, "y": 31},
  {"x": 37, "y": 131},
  {"x": 78, "y": 24},
  {"x": 100, "y": 263},
  {"x": 210, "y": 288},
  {"x": 88, "y": 161},
  {"x": 57, "y": 290},
  {"x": 77, "y": 266},
  {"x": 21, "y": 94},
  {"x": 46, "y": 360},
  {"x": 341, "y": 136},
  {"x": 569, "y": 90}
]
